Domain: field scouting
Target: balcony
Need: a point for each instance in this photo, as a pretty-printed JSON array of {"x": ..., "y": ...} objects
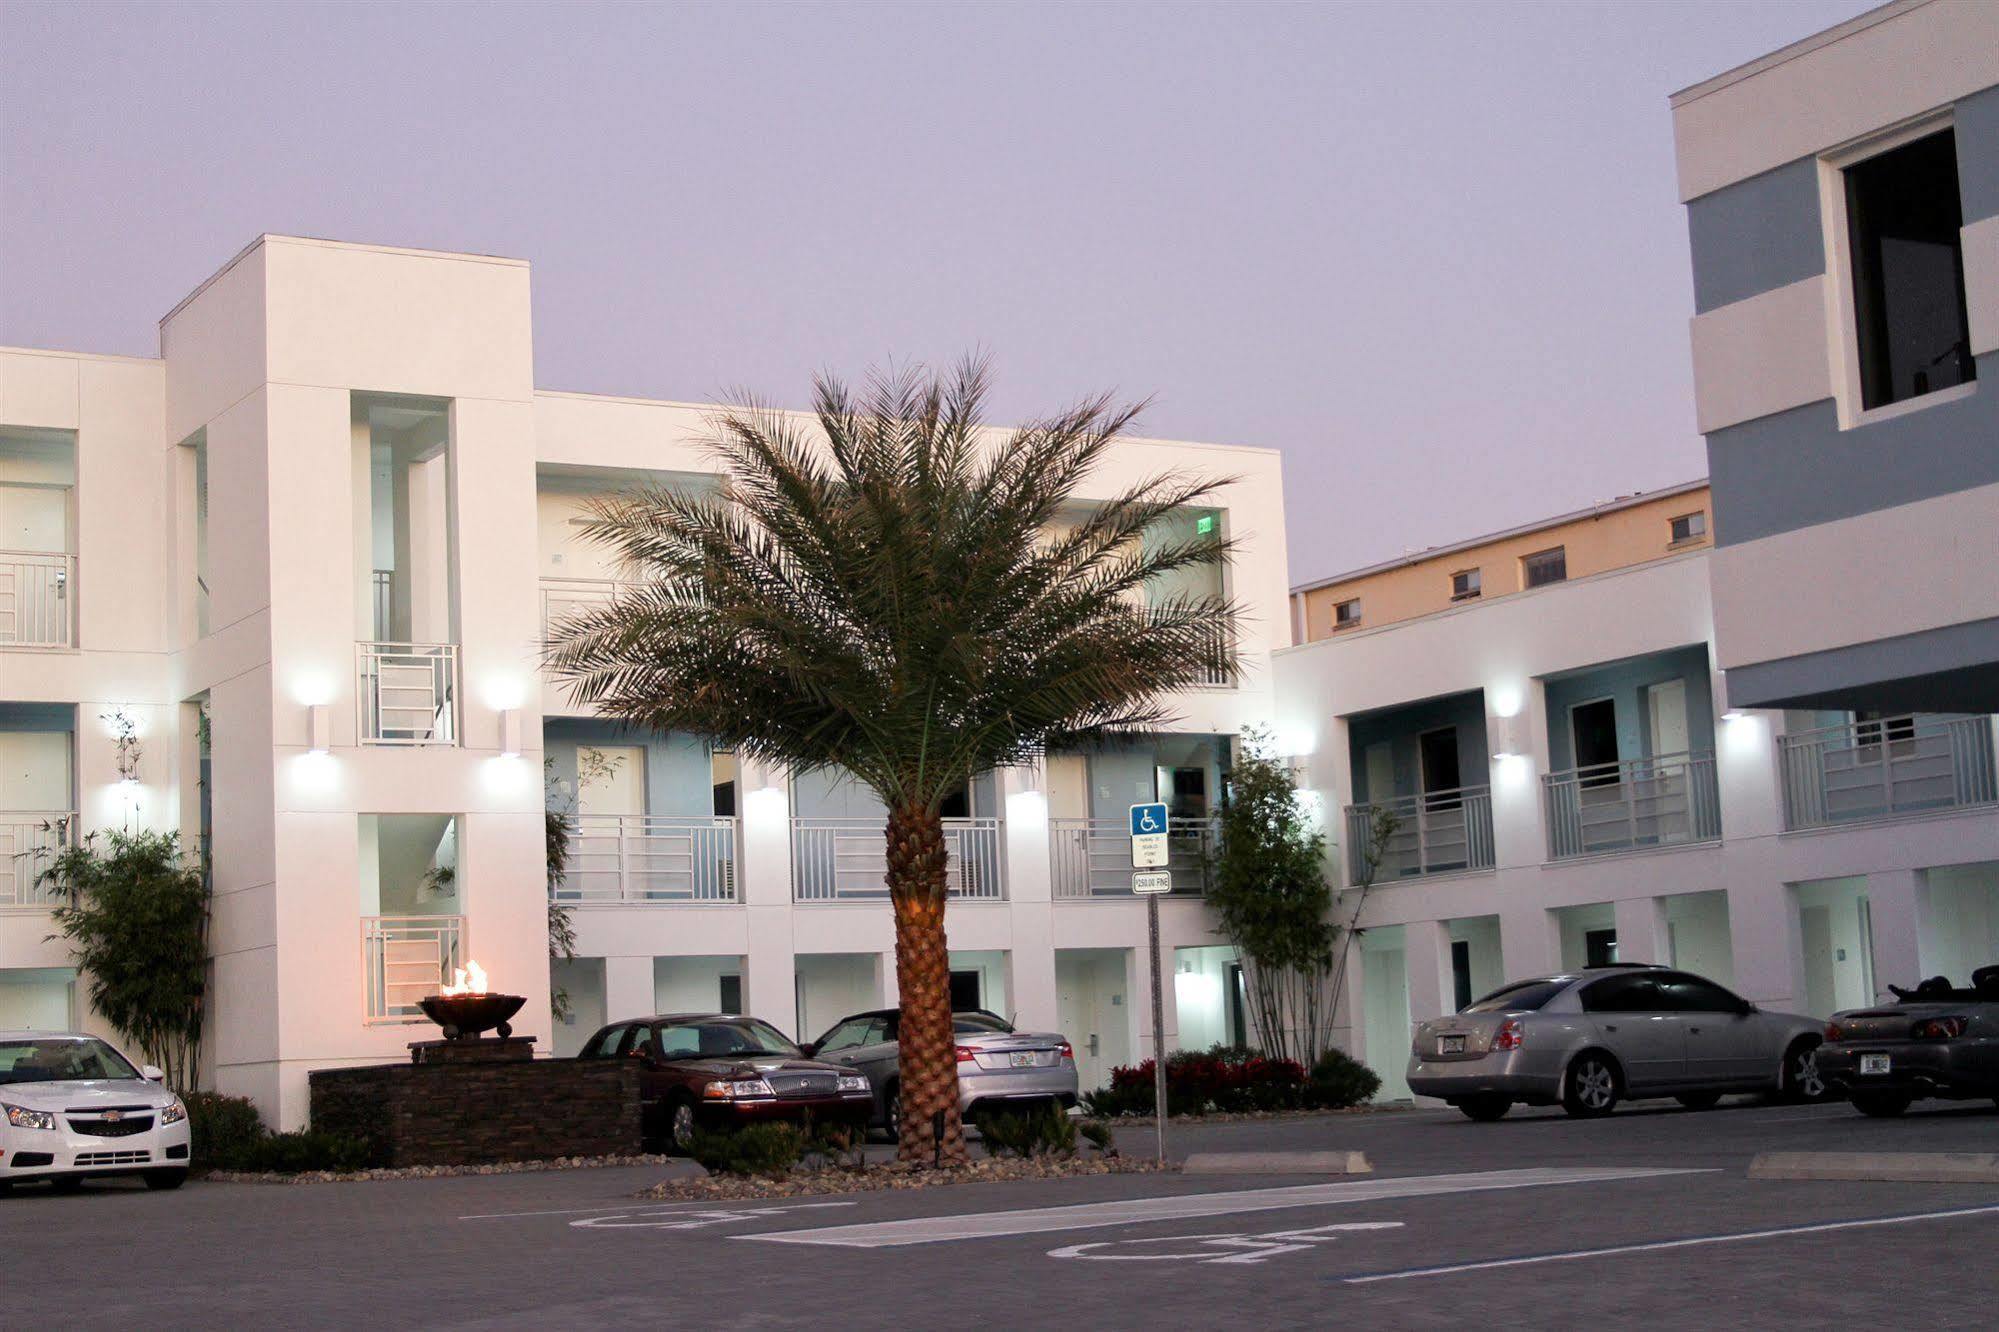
[
  {"x": 408, "y": 693},
  {"x": 645, "y": 859},
  {"x": 1885, "y": 768},
  {"x": 35, "y": 602},
  {"x": 563, "y": 597},
  {"x": 1664, "y": 800},
  {"x": 27, "y": 839},
  {"x": 1437, "y": 832},
  {"x": 1091, "y": 858},
  {"x": 406, "y": 958},
  {"x": 846, "y": 860}
]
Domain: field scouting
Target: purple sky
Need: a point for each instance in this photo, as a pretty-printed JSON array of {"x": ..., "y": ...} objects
[{"x": 1433, "y": 253}]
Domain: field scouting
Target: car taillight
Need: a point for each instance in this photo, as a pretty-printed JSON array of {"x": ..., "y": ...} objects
[
  {"x": 1833, "y": 1033},
  {"x": 1939, "y": 1029},
  {"x": 965, "y": 1055},
  {"x": 1066, "y": 1051},
  {"x": 1509, "y": 1035}
]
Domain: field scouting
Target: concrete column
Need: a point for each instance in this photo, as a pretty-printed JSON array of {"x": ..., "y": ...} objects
[
  {"x": 1642, "y": 935},
  {"x": 1519, "y": 831},
  {"x": 628, "y": 988},
  {"x": 1767, "y": 943},
  {"x": 1896, "y": 907},
  {"x": 1529, "y": 940},
  {"x": 769, "y": 986},
  {"x": 1029, "y": 891},
  {"x": 1426, "y": 960}
]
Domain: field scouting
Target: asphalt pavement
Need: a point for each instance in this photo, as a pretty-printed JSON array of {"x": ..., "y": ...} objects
[{"x": 1647, "y": 1218}]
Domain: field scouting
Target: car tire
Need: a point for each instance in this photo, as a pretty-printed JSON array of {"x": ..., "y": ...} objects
[
  {"x": 892, "y": 1111},
  {"x": 165, "y": 1181},
  {"x": 680, "y": 1125},
  {"x": 1802, "y": 1082},
  {"x": 1592, "y": 1085},
  {"x": 66, "y": 1183},
  {"x": 1485, "y": 1109},
  {"x": 1881, "y": 1104},
  {"x": 1699, "y": 1100}
]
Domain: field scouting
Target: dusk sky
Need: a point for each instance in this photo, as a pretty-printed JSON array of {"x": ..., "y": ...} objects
[{"x": 1432, "y": 252}]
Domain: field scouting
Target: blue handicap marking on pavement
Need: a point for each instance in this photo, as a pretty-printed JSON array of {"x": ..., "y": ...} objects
[{"x": 1148, "y": 820}]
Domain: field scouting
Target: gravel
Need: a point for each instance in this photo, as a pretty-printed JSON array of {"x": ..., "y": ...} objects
[
  {"x": 434, "y": 1172},
  {"x": 845, "y": 1179}
]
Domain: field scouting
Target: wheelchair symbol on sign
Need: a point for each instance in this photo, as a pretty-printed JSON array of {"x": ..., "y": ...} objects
[
  {"x": 1147, "y": 823},
  {"x": 1232, "y": 1249}
]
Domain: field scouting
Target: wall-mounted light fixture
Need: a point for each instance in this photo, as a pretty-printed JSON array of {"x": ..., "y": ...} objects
[
  {"x": 318, "y": 729},
  {"x": 1509, "y": 738},
  {"x": 510, "y": 732},
  {"x": 1734, "y": 715}
]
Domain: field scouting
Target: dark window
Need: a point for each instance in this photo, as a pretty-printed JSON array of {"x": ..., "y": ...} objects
[
  {"x": 1464, "y": 585},
  {"x": 849, "y": 1034},
  {"x": 1691, "y": 994},
  {"x": 1902, "y": 219},
  {"x": 600, "y": 1045},
  {"x": 1238, "y": 1006},
  {"x": 1593, "y": 736},
  {"x": 1871, "y": 728},
  {"x": 1438, "y": 751},
  {"x": 1187, "y": 793},
  {"x": 1460, "y": 973},
  {"x": 1689, "y": 527},
  {"x": 956, "y": 804},
  {"x": 1548, "y": 566},
  {"x": 723, "y": 1036},
  {"x": 1622, "y": 994},
  {"x": 634, "y": 1039},
  {"x": 966, "y": 992},
  {"x": 1346, "y": 614},
  {"x": 1599, "y": 947},
  {"x": 1521, "y": 996},
  {"x": 725, "y": 800},
  {"x": 732, "y": 994},
  {"x": 973, "y": 1024}
]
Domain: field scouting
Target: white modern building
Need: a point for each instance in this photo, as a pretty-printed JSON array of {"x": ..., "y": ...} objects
[
  {"x": 305, "y": 557},
  {"x": 1541, "y": 711}
]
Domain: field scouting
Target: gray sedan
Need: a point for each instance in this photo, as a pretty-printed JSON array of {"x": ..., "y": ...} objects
[
  {"x": 997, "y": 1065},
  {"x": 1587, "y": 1039}
]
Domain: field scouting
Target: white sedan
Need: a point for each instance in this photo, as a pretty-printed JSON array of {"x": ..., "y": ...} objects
[{"x": 72, "y": 1108}]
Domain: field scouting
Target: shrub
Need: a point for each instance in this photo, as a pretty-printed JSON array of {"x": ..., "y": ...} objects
[
  {"x": 294, "y": 1153},
  {"x": 223, "y": 1130},
  {"x": 1339, "y": 1081},
  {"x": 754, "y": 1149},
  {"x": 1097, "y": 1133},
  {"x": 1225, "y": 1079},
  {"x": 1044, "y": 1131}
]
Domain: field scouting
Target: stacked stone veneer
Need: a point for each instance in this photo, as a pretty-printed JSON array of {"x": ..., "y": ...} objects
[{"x": 478, "y": 1112}]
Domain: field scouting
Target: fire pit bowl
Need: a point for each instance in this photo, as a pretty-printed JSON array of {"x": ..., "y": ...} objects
[{"x": 464, "y": 1016}]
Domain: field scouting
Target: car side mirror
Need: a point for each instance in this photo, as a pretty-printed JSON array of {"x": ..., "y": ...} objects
[{"x": 152, "y": 1073}]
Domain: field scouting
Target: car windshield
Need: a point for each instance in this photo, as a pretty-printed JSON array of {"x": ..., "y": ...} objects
[
  {"x": 974, "y": 1024},
  {"x": 1521, "y": 996},
  {"x": 721, "y": 1037},
  {"x": 61, "y": 1059}
]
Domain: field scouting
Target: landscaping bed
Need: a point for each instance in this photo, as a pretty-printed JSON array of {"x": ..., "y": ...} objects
[
  {"x": 867, "y": 1179},
  {"x": 428, "y": 1172}
]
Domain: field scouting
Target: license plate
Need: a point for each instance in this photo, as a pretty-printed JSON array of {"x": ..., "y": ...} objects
[
  {"x": 1021, "y": 1059},
  {"x": 1873, "y": 1064},
  {"x": 1450, "y": 1045}
]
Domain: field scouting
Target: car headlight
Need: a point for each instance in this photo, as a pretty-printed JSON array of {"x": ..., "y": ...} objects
[
  {"x": 736, "y": 1091},
  {"x": 173, "y": 1112},
  {"x": 852, "y": 1082},
  {"x": 29, "y": 1119}
]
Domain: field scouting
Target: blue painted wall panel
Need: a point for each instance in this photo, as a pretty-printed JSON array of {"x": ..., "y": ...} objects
[{"x": 1756, "y": 235}]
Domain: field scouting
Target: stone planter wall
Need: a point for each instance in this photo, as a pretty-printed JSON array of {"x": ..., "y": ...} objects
[{"x": 474, "y": 1113}]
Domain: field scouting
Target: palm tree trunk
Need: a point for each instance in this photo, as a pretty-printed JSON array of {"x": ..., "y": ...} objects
[{"x": 926, "y": 1048}]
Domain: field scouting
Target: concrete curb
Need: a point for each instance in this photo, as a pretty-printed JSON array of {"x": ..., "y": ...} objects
[
  {"x": 1887, "y": 1167},
  {"x": 1277, "y": 1163}
]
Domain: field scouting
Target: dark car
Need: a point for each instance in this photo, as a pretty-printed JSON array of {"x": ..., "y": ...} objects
[
  {"x": 722, "y": 1070},
  {"x": 1935, "y": 1040}
]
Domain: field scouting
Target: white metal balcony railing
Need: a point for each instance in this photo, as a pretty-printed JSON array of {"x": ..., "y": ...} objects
[
  {"x": 35, "y": 601},
  {"x": 383, "y": 586},
  {"x": 846, "y": 860},
  {"x": 1881, "y": 768},
  {"x": 27, "y": 839},
  {"x": 404, "y": 959},
  {"x": 408, "y": 693},
  {"x": 641, "y": 858},
  {"x": 562, "y": 597},
  {"x": 1663, "y": 800},
  {"x": 1435, "y": 833},
  {"x": 1091, "y": 858}
]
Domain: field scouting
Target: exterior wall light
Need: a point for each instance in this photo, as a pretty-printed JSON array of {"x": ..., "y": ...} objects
[
  {"x": 1507, "y": 740},
  {"x": 510, "y": 732},
  {"x": 318, "y": 732}
]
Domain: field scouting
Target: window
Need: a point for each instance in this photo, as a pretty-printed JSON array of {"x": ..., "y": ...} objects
[
  {"x": 1521, "y": 996},
  {"x": 1871, "y": 728},
  {"x": 1623, "y": 994},
  {"x": 1544, "y": 567},
  {"x": 853, "y": 1033},
  {"x": 967, "y": 991},
  {"x": 1346, "y": 614},
  {"x": 1464, "y": 585},
  {"x": 1910, "y": 330},
  {"x": 1691, "y": 994},
  {"x": 601, "y": 1045},
  {"x": 636, "y": 1038},
  {"x": 1599, "y": 948},
  {"x": 1689, "y": 527}
]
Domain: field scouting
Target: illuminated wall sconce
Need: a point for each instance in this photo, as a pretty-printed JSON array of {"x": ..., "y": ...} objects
[
  {"x": 318, "y": 732},
  {"x": 510, "y": 732},
  {"x": 1734, "y": 715},
  {"x": 1509, "y": 738}
]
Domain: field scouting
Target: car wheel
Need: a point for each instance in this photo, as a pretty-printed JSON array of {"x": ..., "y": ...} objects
[
  {"x": 1699, "y": 1100},
  {"x": 165, "y": 1180},
  {"x": 66, "y": 1183},
  {"x": 1590, "y": 1088},
  {"x": 681, "y": 1126},
  {"x": 892, "y": 1110},
  {"x": 1802, "y": 1080},
  {"x": 1485, "y": 1109},
  {"x": 1881, "y": 1104}
]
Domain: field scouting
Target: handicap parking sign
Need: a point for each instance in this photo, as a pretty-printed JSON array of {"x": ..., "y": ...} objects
[{"x": 1148, "y": 836}]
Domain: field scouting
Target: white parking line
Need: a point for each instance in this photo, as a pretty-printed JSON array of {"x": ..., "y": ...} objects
[
  {"x": 996, "y": 1225},
  {"x": 664, "y": 1209},
  {"x": 1656, "y": 1245}
]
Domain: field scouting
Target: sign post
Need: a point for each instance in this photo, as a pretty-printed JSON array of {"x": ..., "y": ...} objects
[{"x": 1148, "y": 852}]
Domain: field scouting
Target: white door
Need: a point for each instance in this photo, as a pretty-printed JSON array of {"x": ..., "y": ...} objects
[
  {"x": 610, "y": 780},
  {"x": 1666, "y": 708}
]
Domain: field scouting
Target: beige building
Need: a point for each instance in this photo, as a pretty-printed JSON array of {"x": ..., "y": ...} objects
[{"x": 1628, "y": 531}]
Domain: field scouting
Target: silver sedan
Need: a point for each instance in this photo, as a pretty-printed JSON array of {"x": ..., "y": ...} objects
[
  {"x": 997, "y": 1066},
  {"x": 1587, "y": 1039}
]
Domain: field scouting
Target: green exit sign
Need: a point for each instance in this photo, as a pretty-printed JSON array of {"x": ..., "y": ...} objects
[{"x": 1205, "y": 525}]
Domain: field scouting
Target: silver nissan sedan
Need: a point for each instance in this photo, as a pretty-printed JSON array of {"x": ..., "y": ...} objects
[{"x": 1587, "y": 1039}]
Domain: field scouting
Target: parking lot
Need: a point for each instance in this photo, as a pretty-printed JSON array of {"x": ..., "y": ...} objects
[{"x": 1644, "y": 1217}]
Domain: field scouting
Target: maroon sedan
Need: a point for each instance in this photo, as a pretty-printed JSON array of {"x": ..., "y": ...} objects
[{"x": 720, "y": 1071}]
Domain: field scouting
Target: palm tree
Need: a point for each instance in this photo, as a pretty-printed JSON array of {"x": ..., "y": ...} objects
[{"x": 888, "y": 588}]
